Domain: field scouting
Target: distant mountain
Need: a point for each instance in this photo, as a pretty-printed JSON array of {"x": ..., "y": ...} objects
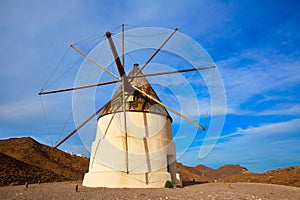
[
  {"x": 204, "y": 169},
  {"x": 236, "y": 173},
  {"x": 225, "y": 171},
  {"x": 190, "y": 175},
  {"x": 27, "y": 155},
  {"x": 202, "y": 173}
]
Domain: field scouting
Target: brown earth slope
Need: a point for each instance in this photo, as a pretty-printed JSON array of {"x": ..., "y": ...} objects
[
  {"x": 204, "y": 169},
  {"x": 190, "y": 175},
  {"x": 204, "y": 174},
  {"x": 15, "y": 172},
  {"x": 286, "y": 176},
  {"x": 39, "y": 156},
  {"x": 225, "y": 171}
]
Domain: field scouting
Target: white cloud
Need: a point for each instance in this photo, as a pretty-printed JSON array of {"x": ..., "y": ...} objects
[
  {"x": 263, "y": 129},
  {"x": 267, "y": 71},
  {"x": 281, "y": 109},
  {"x": 268, "y": 146},
  {"x": 270, "y": 129},
  {"x": 22, "y": 108}
]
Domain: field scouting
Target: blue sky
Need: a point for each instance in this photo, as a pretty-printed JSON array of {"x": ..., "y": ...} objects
[{"x": 255, "y": 45}]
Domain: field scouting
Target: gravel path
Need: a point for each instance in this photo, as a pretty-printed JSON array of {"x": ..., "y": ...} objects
[{"x": 66, "y": 190}]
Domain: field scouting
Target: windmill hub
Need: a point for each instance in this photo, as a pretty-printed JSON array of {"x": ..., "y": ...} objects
[{"x": 135, "y": 66}]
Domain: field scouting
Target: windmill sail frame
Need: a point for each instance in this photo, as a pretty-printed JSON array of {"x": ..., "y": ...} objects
[{"x": 129, "y": 87}]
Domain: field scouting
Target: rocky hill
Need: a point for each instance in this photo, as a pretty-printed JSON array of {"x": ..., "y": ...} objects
[
  {"x": 202, "y": 173},
  {"x": 26, "y": 160},
  {"x": 190, "y": 175},
  {"x": 286, "y": 176},
  {"x": 222, "y": 172},
  {"x": 15, "y": 172},
  {"x": 204, "y": 169},
  {"x": 235, "y": 173}
]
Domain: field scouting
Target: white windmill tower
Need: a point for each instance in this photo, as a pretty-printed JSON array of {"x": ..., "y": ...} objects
[
  {"x": 139, "y": 140},
  {"x": 133, "y": 146}
]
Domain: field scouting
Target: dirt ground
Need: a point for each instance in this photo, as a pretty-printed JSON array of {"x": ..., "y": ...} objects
[{"x": 66, "y": 190}]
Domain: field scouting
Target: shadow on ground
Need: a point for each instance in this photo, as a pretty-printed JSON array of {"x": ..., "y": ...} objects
[{"x": 188, "y": 183}]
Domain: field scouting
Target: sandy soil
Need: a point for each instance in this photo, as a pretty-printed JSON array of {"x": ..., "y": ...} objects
[{"x": 66, "y": 190}]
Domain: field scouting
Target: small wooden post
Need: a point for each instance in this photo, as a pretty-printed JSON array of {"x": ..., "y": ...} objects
[
  {"x": 76, "y": 188},
  {"x": 26, "y": 184}
]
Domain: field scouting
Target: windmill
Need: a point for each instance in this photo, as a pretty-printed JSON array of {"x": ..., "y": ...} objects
[{"x": 133, "y": 146}]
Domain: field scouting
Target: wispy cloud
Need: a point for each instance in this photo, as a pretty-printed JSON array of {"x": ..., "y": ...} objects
[
  {"x": 267, "y": 142},
  {"x": 255, "y": 72},
  {"x": 290, "y": 127},
  {"x": 281, "y": 109},
  {"x": 19, "y": 109}
]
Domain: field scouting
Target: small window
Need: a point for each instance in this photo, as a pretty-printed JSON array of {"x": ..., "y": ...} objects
[{"x": 130, "y": 98}]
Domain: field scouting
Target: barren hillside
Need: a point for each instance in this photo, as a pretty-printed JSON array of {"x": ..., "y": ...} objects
[
  {"x": 225, "y": 171},
  {"x": 15, "y": 172},
  {"x": 286, "y": 176},
  {"x": 27, "y": 155},
  {"x": 190, "y": 175}
]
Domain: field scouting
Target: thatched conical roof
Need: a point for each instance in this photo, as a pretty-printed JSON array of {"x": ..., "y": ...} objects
[{"x": 134, "y": 100}]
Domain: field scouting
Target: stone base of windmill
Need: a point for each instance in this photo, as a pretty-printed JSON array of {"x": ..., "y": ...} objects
[{"x": 124, "y": 180}]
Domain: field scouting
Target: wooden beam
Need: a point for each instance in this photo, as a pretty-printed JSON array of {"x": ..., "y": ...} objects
[
  {"x": 124, "y": 84},
  {"x": 169, "y": 108},
  {"x": 93, "y": 61},
  {"x": 157, "y": 50},
  {"x": 131, "y": 77},
  {"x": 115, "y": 54},
  {"x": 123, "y": 46},
  {"x": 82, "y": 124},
  {"x": 79, "y": 87},
  {"x": 172, "y": 72}
]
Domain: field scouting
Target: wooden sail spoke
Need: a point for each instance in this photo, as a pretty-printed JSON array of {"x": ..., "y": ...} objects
[
  {"x": 123, "y": 45},
  {"x": 93, "y": 61},
  {"x": 82, "y": 124},
  {"x": 122, "y": 73},
  {"x": 125, "y": 123},
  {"x": 115, "y": 54},
  {"x": 79, "y": 87},
  {"x": 169, "y": 108},
  {"x": 130, "y": 78},
  {"x": 157, "y": 50},
  {"x": 172, "y": 72}
]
